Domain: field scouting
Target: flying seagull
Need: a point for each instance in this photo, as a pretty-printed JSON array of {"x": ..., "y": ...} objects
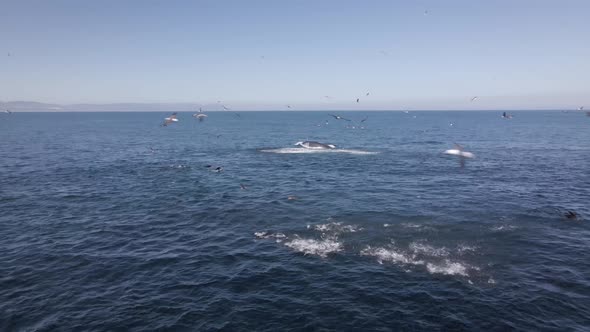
[
  {"x": 225, "y": 108},
  {"x": 367, "y": 94},
  {"x": 473, "y": 99},
  {"x": 459, "y": 151},
  {"x": 365, "y": 119},
  {"x": 243, "y": 187},
  {"x": 358, "y": 99},
  {"x": 8, "y": 112},
  {"x": 338, "y": 117},
  {"x": 172, "y": 118}
]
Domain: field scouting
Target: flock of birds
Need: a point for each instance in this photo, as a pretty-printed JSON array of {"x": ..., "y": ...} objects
[{"x": 458, "y": 150}]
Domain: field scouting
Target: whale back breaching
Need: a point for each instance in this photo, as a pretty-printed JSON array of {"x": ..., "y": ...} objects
[{"x": 315, "y": 145}]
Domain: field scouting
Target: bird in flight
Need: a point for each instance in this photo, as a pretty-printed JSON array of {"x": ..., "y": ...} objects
[
  {"x": 365, "y": 119},
  {"x": 338, "y": 117},
  {"x": 358, "y": 99},
  {"x": 172, "y": 118},
  {"x": 243, "y": 187},
  {"x": 473, "y": 99},
  {"x": 367, "y": 94}
]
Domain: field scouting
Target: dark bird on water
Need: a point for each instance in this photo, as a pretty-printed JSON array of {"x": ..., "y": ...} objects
[
  {"x": 216, "y": 169},
  {"x": 571, "y": 215},
  {"x": 243, "y": 187}
]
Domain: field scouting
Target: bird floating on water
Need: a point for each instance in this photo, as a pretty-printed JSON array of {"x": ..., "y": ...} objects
[
  {"x": 243, "y": 187},
  {"x": 506, "y": 116},
  {"x": 571, "y": 215},
  {"x": 217, "y": 169},
  {"x": 200, "y": 115}
]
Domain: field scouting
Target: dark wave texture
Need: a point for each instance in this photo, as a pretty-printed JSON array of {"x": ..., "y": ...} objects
[{"x": 109, "y": 222}]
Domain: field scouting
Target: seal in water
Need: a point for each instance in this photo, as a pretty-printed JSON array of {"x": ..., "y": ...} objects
[{"x": 315, "y": 145}]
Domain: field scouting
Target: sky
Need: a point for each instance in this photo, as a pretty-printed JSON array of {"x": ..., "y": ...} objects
[{"x": 512, "y": 54}]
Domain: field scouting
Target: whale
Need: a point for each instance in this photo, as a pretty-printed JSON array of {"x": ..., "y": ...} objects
[{"x": 315, "y": 145}]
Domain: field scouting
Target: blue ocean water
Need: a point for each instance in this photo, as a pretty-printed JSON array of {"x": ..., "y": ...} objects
[{"x": 109, "y": 222}]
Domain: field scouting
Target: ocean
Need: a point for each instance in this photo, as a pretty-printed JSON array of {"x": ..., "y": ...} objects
[{"x": 111, "y": 222}]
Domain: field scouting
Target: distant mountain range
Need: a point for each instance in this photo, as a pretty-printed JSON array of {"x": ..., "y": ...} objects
[{"x": 32, "y": 106}]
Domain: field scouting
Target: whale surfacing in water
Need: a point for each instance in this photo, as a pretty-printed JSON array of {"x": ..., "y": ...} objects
[{"x": 315, "y": 145}]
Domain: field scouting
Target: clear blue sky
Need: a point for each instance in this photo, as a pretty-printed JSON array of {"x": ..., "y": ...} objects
[{"x": 510, "y": 53}]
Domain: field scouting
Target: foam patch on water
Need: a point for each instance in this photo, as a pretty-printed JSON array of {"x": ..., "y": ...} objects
[
  {"x": 420, "y": 254},
  {"x": 449, "y": 268},
  {"x": 504, "y": 228},
  {"x": 304, "y": 150},
  {"x": 428, "y": 250},
  {"x": 335, "y": 227},
  {"x": 463, "y": 248},
  {"x": 320, "y": 248},
  {"x": 279, "y": 237},
  {"x": 391, "y": 255},
  {"x": 415, "y": 226}
]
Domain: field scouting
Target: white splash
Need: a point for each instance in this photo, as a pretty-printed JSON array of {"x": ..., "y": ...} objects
[
  {"x": 448, "y": 268},
  {"x": 390, "y": 255},
  {"x": 303, "y": 150},
  {"x": 315, "y": 247}
]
